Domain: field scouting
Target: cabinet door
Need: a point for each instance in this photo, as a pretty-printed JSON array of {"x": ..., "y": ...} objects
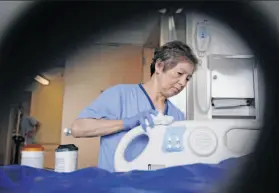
[
  {"x": 46, "y": 107},
  {"x": 232, "y": 78},
  {"x": 86, "y": 76}
]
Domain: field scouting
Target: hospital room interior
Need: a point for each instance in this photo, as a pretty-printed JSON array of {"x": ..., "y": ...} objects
[{"x": 227, "y": 87}]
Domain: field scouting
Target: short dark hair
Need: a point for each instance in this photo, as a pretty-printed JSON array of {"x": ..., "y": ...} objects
[{"x": 171, "y": 53}]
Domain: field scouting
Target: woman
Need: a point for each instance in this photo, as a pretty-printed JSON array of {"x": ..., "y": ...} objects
[{"x": 125, "y": 106}]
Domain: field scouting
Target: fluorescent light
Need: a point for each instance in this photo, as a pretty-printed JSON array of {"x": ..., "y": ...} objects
[
  {"x": 179, "y": 10},
  {"x": 163, "y": 10},
  {"x": 42, "y": 80}
]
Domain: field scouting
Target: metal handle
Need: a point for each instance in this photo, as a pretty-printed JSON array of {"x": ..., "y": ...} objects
[{"x": 67, "y": 131}]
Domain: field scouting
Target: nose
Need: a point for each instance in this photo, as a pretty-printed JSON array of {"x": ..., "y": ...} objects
[{"x": 183, "y": 81}]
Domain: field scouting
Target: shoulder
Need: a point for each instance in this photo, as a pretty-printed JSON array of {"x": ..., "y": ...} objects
[
  {"x": 176, "y": 112},
  {"x": 120, "y": 89},
  {"x": 116, "y": 93}
]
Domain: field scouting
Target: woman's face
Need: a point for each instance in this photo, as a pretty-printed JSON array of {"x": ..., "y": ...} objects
[{"x": 174, "y": 80}]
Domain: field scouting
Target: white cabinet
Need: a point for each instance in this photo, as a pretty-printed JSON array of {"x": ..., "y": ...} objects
[{"x": 232, "y": 76}]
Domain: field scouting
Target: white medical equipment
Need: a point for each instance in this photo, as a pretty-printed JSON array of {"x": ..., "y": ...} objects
[
  {"x": 208, "y": 141},
  {"x": 202, "y": 73},
  {"x": 230, "y": 86},
  {"x": 202, "y": 42},
  {"x": 225, "y": 86},
  {"x": 234, "y": 85},
  {"x": 202, "y": 38}
]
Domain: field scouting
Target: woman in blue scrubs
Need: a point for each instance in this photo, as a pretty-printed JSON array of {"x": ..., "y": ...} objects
[{"x": 125, "y": 106}]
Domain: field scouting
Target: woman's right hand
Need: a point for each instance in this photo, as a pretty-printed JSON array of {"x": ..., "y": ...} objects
[{"x": 139, "y": 119}]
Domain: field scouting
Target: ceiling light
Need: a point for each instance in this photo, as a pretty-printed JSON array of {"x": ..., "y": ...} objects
[
  {"x": 179, "y": 10},
  {"x": 42, "y": 80},
  {"x": 163, "y": 10}
]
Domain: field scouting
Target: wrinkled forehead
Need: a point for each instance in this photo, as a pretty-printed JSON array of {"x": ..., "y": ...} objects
[{"x": 185, "y": 66}]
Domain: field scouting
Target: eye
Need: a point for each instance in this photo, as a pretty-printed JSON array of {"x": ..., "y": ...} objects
[{"x": 179, "y": 73}]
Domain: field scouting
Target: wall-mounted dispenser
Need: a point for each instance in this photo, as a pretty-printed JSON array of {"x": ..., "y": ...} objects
[{"x": 234, "y": 86}]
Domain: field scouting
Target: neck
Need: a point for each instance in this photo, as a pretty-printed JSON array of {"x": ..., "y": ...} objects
[{"x": 152, "y": 89}]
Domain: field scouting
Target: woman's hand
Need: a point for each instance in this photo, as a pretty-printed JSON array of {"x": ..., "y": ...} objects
[{"x": 139, "y": 119}]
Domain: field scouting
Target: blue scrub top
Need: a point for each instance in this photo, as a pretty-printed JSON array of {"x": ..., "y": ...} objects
[{"x": 116, "y": 103}]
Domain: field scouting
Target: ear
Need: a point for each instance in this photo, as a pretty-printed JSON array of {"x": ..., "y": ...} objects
[{"x": 159, "y": 66}]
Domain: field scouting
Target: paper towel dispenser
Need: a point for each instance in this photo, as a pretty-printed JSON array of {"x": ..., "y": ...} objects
[{"x": 232, "y": 86}]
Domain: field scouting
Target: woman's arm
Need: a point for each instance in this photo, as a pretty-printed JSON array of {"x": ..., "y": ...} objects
[
  {"x": 95, "y": 127},
  {"x": 101, "y": 117}
]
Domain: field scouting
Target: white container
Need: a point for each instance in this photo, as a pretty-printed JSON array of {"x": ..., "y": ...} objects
[
  {"x": 66, "y": 158},
  {"x": 33, "y": 156}
]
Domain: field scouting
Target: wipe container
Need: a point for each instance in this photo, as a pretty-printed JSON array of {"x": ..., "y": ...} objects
[
  {"x": 33, "y": 156},
  {"x": 66, "y": 158}
]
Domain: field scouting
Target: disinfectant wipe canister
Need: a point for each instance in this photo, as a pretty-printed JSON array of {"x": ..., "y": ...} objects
[
  {"x": 33, "y": 155},
  {"x": 66, "y": 158}
]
